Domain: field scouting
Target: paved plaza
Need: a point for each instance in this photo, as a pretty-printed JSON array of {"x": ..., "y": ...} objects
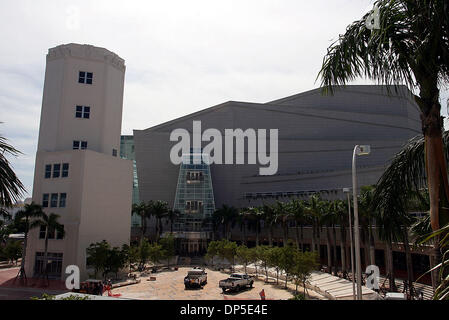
[{"x": 169, "y": 285}]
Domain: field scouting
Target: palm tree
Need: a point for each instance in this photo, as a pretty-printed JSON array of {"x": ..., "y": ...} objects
[
  {"x": 23, "y": 220},
  {"x": 314, "y": 210},
  {"x": 158, "y": 209},
  {"x": 51, "y": 224},
  {"x": 282, "y": 215},
  {"x": 143, "y": 211},
  {"x": 410, "y": 47},
  {"x": 406, "y": 175},
  {"x": 11, "y": 188},
  {"x": 255, "y": 216},
  {"x": 172, "y": 215},
  {"x": 341, "y": 216},
  {"x": 227, "y": 217},
  {"x": 243, "y": 219},
  {"x": 269, "y": 218},
  {"x": 367, "y": 215},
  {"x": 297, "y": 208}
]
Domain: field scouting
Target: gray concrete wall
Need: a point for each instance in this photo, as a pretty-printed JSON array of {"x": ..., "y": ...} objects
[{"x": 317, "y": 135}]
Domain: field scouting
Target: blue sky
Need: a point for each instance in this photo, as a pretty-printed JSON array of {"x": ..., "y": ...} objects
[{"x": 181, "y": 56}]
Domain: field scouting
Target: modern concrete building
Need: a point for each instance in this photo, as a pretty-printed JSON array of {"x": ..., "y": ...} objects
[
  {"x": 316, "y": 137},
  {"x": 78, "y": 173}
]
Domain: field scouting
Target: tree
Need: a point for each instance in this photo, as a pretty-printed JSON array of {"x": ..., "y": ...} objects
[
  {"x": 158, "y": 209},
  {"x": 131, "y": 255},
  {"x": 282, "y": 215},
  {"x": 297, "y": 208},
  {"x": 51, "y": 224},
  {"x": 255, "y": 216},
  {"x": 12, "y": 251},
  {"x": 263, "y": 255},
  {"x": 410, "y": 47},
  {"x": 143, "y": 211},
  {"x": 229, "y": 251},
  {"x": 274, "y": 260},
  {"x": 254, "y": 258},
  {"x": 212, "y": 250},
  {"x": 286, "y": 260},
  {"x": 97, "y": 256},
  {"x": 168, "y": 248},
  {"x": 303, "y": 265},
  {"x": 243, "y": 255},
  {"x": 155, "y": 253},
  {"x": 11, "y": 188},
  {"x": 226, "y": 216},
  {"x": 314, "y": 211},
  {"x": 172, "y": 215},
  {"x": 269, "y": 218},
  {"x": 115, "y": 261},
  {"x": 23, "y": 221}
]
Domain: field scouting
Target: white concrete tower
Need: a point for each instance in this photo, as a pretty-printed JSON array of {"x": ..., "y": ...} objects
[{"x": 79, "y": 174}]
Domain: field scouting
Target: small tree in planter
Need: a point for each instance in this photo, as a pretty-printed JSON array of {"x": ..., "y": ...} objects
[
  {"x": 244, "y": 255},
  {"x": 168, "y": 248}
]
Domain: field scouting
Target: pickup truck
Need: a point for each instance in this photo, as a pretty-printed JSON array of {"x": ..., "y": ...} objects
[
  {"x": 236, "y": 282},
  {"x": 196, "y": 278}
]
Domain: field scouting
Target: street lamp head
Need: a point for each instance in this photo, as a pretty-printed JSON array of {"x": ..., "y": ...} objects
[{"x": 363, "y": 150}]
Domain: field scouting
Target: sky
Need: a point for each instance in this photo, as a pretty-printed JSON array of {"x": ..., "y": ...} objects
[{"x": 181, "y": 56}]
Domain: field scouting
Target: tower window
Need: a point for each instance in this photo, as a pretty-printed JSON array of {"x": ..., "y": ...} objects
[
  {"x": 82, "y": 112},
  {"x": 85, "y": 77},
  {"x": 79, "y": 145},
  {"x": 47, "y": 171},
  {"x": 65, "y": 170},
  {"x": 56, "y": 170},
  {"x": 62, "y": 200},
  {"x": 54, "y": 200},
  {"x": 45, "y": 200}
]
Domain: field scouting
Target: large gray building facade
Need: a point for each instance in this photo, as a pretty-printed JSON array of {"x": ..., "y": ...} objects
[{"x": 317, "y": 134}]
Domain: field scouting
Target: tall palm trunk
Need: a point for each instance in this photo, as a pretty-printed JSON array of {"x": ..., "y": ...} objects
[
  {"x": 372, "y": 250},
  {"x": 45, "y": 254},
  {"x": 244, "y": 240},
  {"x": 435, "y": 167},
  {"x": 257, "y": 233},
  {"x": 329, "y": 251},
  {"x": 389, "y": 262},
  {"x": 285, "y": 229},
  {"x": 297, "y": 235},
  {"x": 409, "y": 263},
  {"x": 334, "y": 245},
  {"x": 22, "y": 274},
  {"x": 313, "y": 239},
  {"x": 343, "y": 249},
  {"x": 270, "y": 235}
]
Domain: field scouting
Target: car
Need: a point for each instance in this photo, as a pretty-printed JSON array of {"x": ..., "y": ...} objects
[
  {"x": 236, "y": 282},
  {"x": 195, "y": 278}
]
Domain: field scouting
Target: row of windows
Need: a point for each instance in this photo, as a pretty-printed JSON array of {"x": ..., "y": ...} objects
[
  {"x": 54, "y": 199},
  {"x": 85, "y": 77},
  {"x": 52, "y": 234},
  {"x": 56, "y": 170}
]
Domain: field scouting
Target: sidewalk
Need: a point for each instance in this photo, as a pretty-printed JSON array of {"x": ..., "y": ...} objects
[{"x": 10, "y": 288}]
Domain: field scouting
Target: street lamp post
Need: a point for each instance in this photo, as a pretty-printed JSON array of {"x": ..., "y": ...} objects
[
  {"x": 347, "y": 191},
  {"x": 358, "y": 151}
]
